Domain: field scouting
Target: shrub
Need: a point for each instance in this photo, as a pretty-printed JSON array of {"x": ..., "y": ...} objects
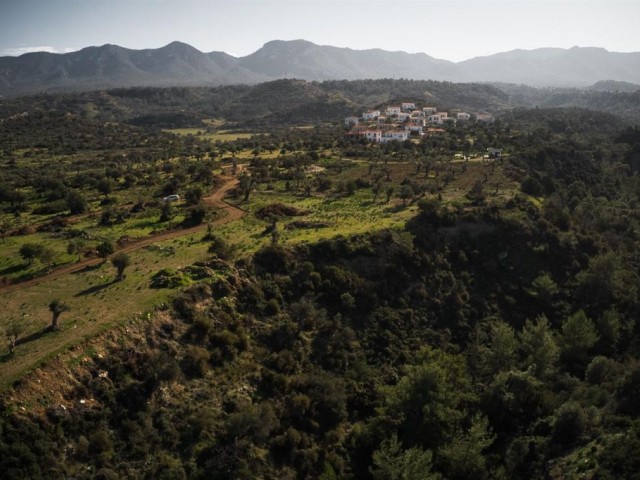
[
  {"x": 57, "y": 206},
  {"x": 195, "y": 361},
  {"x": 195, "y": 215},
  {"x": 221, "y": 248},
  {"x": 169, "y": 278}
]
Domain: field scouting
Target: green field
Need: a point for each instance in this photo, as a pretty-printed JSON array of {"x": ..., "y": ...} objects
[
  {"x": 96, "y": 301},
  {"x": 222, "y": 135}
]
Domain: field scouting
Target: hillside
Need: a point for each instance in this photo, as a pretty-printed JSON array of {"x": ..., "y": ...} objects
[
  {"x": 434, "y": 347},
  {"x": 404, "y": 310},
  {"x": 179, "y": 64},
  {"x": 281, "y": 101},
  {"x": 294, "y": 101}
]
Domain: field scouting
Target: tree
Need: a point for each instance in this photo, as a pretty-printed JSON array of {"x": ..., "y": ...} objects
[
  {"x": 604, "y": 280},
  {"x": 429, "y": 401},
  {"x": 389, "y": 193},
  {"x": 609, "y": 328},
  {"x": 406, "y": 192},
  {"x": 221, "y": 248},
  {"x": 46, "y": 255},
  {"x": 105, "y": 186},
  {"x": 166, "y": 213},
  {"x": 76, "y": 246},
  {"x": 15, "y": 198},
  {"x": 476, "y": 194},
  {"x": 391, "y": 462},
  {"x": 76, "y": 202},
  {"x": 193, "y": 195},
  {"x": 570, "y": 423},
  {"x": 544, "y": 288},
  {"x": 246, "y": 185},
  {"x": 495, "y": 348},
  {"x": 578, "y": 336},
  {"x": 121, "y": 261},
  {"x": 540, "y": 351},
  {"x": 57, "y": 307},
  {"x": 104, "y": 249},
  {"x": 13, "y": 332},
  {"x": 376, "y": 188},
  {"x": 5, "y": 227},
  {"x": 463, "y": 457},
  {"x": 275, "y": 233},
  {"x": 30, "y": 251},
  {"x": 195, "y": 215}
]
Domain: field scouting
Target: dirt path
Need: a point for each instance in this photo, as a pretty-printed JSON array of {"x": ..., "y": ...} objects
[{"x": 214, "y": 200}]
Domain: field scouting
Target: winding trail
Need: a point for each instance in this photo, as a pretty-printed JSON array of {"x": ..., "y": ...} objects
[{"x": 216, "y": 199}]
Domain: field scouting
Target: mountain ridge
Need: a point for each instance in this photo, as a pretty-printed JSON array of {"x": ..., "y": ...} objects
[{"x": 180, "y": 64}]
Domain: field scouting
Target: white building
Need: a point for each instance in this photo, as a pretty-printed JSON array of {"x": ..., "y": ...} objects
[
  {"x": 403, "y": 116},
  {"x": 393, "y": 111},
  {"x": 408, "y": 106},
  {"x": 373, "y": 135},
  {"x": 437, "y": 118},
  {"x": 494, "y": 152},
  {"x": 413, "y": 127},
  {"x": 371, "y": 115},
  {"x": 429, "y": 110},
  {"x": 399, "y": 135},
  {"x": 368, "y": 134},
  {"x": 464, "y": 116}
]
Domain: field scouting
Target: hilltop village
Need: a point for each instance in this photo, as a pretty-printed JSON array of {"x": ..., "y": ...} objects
[{"x": 405, "y": 121}]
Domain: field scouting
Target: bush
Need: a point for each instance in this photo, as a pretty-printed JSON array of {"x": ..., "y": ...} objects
[
  {"x": 221, "y": 248},
  {"x": 76, "y": 202},
  {"x": 195, "y": 215},
  {"x": 169, "y": 278},
  {"x": 570, "y": 423},
  {"x": 532, "y": 186},
  {"x": 195, "y": 361},
  {"x": 49, "y": 208}
]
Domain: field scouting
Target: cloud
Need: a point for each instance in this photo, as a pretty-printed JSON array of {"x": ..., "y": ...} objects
[{"x": 16, "y": 51}]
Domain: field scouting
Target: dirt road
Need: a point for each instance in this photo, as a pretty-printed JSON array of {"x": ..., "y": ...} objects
[{"x": 215, "y": 200}]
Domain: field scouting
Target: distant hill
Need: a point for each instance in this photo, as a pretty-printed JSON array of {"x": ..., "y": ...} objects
[
  {"x": 112, "y": 66},
  {"x": 306, "y": 60},
  {"x": 179, "y": 64},
  {"x": 290, "y": 101},
  {"x": 576, "y": 67},
  {"x": 286, "y": 101},
  {"x": 614, "y": 86}
]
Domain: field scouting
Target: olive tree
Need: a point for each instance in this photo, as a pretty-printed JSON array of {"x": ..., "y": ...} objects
[
  {"x": 57, "y": 307},
  {"x": 120, "y": 260}
]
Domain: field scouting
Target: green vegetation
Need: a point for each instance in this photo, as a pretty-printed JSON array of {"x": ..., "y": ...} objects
[{"x": 408, "y": 310}]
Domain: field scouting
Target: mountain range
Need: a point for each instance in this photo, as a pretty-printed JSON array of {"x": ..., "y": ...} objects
[{"x": 179, "y": 64}]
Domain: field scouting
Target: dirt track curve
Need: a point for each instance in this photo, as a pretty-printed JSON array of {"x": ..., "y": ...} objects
[{"x": 214, "y": 200}]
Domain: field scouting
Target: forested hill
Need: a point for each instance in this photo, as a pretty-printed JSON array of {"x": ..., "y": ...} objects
[
  {"x": 299, "y": 102},
  {"x": 281, "y": 101}
]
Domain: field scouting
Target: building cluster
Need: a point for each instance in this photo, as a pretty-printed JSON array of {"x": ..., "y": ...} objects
[{"x": 400, "y": 122}]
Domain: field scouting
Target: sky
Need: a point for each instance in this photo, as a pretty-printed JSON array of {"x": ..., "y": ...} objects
[{"x": 448, "y": 29}]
